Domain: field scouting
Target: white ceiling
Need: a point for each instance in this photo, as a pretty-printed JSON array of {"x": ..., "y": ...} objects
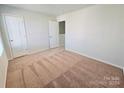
[{"x": 51, "y": 9}]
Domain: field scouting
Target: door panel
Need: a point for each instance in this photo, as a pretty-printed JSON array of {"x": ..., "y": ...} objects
[
  {"x": 17, "y": 35},
  {"x": 53, "y": 34}
]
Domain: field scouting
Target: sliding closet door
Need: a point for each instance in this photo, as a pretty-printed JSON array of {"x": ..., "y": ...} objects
[
  {"x": 53, "y": 34},
  {"x": 17, "y": 35}
]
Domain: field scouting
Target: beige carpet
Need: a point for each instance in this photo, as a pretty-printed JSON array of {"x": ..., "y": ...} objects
[{"x": 60, "y": 68}]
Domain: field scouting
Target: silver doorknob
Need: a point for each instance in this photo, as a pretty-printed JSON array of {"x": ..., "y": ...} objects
[{"x": 11, "y": 40}]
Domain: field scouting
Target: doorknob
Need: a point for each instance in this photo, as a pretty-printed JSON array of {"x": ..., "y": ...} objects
[{"x": 11, "y": 40}]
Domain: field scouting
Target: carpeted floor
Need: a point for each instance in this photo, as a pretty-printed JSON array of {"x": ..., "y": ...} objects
[{"x": 61, "y": 69}]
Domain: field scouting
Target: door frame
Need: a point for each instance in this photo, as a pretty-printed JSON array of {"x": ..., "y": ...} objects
[
  {"x": 64, "y": 33},
  {"x": 7, "y": 34},
  {"x": 60, "y": 19}
]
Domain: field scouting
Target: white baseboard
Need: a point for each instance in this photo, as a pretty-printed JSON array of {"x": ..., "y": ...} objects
[
  {"x": 106, "y": 62},
  {"x": 37, "y": 51},
  {"x": 31, "y": 52},
  {"x": 9, "y": 59}
]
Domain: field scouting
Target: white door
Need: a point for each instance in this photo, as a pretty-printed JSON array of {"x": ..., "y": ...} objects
[
  {"x": 53, "y": 34},
  {"x": 17, "y": 35}
]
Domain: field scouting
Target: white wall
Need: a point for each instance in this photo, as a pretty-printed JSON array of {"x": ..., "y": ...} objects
[
  {"x": 3, "y": 64},
  {"x": 98, "y": 32},
  {"x": 36, "y": 28}
]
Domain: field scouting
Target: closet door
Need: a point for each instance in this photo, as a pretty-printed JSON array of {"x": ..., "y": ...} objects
[
  {"x": 17, "y": 35},
  {"x": 53, "y": 34}
]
